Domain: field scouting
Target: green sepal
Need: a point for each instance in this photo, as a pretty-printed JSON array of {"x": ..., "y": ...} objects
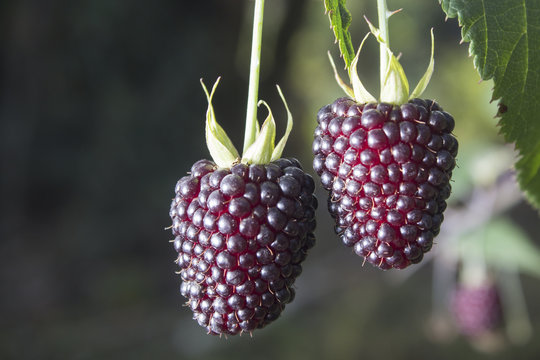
[
  {"x": 361, "y": 95},
  {"x": 261, "y": 150},
  {"x": 348, "y": 90},
  {"x": 276, "y": 154},
  {"x": 395, "y": 89},
  {"x": 424, "y": 81},
  {"x": 218, "y": 142}
]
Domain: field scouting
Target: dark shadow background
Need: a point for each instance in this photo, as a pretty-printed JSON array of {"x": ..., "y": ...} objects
[{"x": 101, "y": 112}]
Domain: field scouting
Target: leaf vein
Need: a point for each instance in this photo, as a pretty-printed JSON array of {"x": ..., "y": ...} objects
[{"x": 486, "y": 36}]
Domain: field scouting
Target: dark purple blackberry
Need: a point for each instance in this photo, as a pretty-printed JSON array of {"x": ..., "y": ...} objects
[
  {"x": 241, "y": 235},
  {"x": 387, "y": 169},
  {"x": 477, "y": 310}
]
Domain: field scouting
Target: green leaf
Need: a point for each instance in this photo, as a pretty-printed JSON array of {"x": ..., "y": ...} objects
[
  {"x": 503, "y": 245},
  {"x": 340, "y": 20},
  {"x": 505, "y": 44}
]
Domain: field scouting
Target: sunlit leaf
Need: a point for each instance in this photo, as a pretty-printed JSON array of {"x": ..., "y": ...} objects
[{"x": 505, "y": 44}]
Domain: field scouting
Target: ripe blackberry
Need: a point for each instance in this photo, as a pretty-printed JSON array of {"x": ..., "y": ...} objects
[
  {"x": 243, "y": 224},
  {"x": 477, "y": 310},
  {"x": 241, "y": 235},
  {"x": 386, "y": 163},
  {"x": 387, "y": 169}
]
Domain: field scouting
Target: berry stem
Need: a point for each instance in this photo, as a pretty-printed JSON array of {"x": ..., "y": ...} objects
[
  {"x": 251, "y": 116},
  {"x": 382, "y": 11},
  {"x": 474, "y": 268},
  {"x": 516, "y": 315}
]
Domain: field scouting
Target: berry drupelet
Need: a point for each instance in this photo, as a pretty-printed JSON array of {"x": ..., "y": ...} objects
[
  {"x": 386, "y": 163},
  {"x": 241, "y": 235},
  {"x": 387, "y": 169}
]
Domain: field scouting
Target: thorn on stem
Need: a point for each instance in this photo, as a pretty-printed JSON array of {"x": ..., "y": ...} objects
[
  {"x": 390, "y": 13},
  {"x": 367, "y": 20}
]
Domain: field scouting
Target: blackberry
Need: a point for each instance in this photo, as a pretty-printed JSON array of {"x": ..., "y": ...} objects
[
  {"x": 477, "y": 309},
  {"x": 386, "y": 163},
  {"x": 387, "y": 169},
  {"x": 241, "y": 235},
  {"x": 243, "y": 224}
]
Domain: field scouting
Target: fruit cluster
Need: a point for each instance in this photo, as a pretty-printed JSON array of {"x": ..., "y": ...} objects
[
  {"x": 243, "y": 224},
  {"x": 241, "y": 235},
  {"x": 387, "y": 169}
]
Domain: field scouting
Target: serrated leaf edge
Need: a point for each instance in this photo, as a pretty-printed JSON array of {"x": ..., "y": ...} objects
[{"x": 335, "y": 10}]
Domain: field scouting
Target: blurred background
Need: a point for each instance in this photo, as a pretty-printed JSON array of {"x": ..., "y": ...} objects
[{"x": 101, "y": 112}]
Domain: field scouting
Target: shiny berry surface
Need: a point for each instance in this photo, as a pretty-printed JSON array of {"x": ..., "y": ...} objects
[
  {"x": 241, "y": 235},
  {"x": 387, "y": 169}
]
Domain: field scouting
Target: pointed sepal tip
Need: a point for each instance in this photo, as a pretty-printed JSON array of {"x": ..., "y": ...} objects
[
  {"x": 395, "y": 85},
  {"x": 218, "y": 142},
  {"x": 263, "y": 150}
]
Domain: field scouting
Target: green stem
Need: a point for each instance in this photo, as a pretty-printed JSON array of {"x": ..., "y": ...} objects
[
  {"x": 382, "y": 10},
  {"x": 516, "y": 315},
  {"x": 251, "y": 116}
]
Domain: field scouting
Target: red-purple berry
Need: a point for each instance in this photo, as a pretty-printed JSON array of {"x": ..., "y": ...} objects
[
  {"x": 241, "y": 235},
  {"x": 387, "y": 169}
]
